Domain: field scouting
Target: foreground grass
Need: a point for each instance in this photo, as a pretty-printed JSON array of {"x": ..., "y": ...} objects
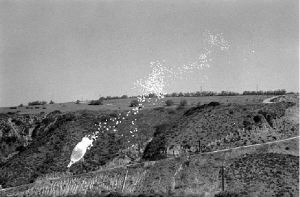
[{"x": 189, "y": 175}]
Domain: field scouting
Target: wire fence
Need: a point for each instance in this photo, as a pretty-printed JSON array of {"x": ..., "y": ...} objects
[{"x": 221, "y": 167}]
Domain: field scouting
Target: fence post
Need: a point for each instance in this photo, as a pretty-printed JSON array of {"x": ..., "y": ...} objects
[
  {"x": 222, "y": 172},
  {"x": 124, "y": 181}
]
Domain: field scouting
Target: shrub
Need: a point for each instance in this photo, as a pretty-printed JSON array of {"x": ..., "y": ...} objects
[
  {"x": 172, "y": 111},
  {"x": 161, "y": 109},
  {"x": 134, "y": 103},
  {"x": 169, "y": 102},
  {"x": 77, "y": 102},
  {"x": 96, "y": 102},
  {"x": 21, "y": 105},
  {"x": 227, "y": 194},
  {"x": 37, "y": 103},
  {"x": 51, "y": 102},
  {"x": 183, "y": 103},
  {"x": 13, "y": 108},
  {"x": 124, "y": 97}
]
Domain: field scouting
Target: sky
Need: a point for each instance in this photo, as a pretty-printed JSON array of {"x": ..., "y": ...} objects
[{"x": 64, "y": 50}]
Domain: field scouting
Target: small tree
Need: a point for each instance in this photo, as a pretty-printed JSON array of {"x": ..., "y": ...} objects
[
  {"x": 96, "y": 102},
  {"x": 124, "y": 96},
  {"x": 77, "y": 102},
  {"x": 169, "y": 102},
  {"x": 51, "y": 102},
  {"x": 134, "y": 103},
  {"x": 21, "y": 105},
  {"x": 183, "y": 103}
]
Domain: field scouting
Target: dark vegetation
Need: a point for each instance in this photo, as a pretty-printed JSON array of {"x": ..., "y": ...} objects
[
  {"x": 227, "y": 194},
  {"x": 269, "y": 92},
  {"x": 37, "y": 103},
  {"x": 219, "y": 126},
  {"x": 182, "y": 104},
  {"x": 278, "y": 174},
  {"x": 169, "y": 102},
  {"x": 116, "y": 194},
  {"x": 156, "y": 149},
  {"x": 225, "y": 93},
  {"x": 134, "y": 103},
  {"x": 96, "y": 102}
]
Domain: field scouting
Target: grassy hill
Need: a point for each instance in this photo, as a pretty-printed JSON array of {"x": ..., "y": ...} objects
[{"x": 167, "y": 142}]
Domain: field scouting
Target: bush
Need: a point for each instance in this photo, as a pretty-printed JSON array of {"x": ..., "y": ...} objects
[
  {"x": 171, "y": 111},
  {"x": 124, "y": 97},
  {"x": 134, "y": 103},
  {"x": 37, "y": 103},
  {"x": 227, "y": 194},
  {"x": 77, "y": 102},
  {"x": 169, "y": 102},
  {"x": 51, "y": 102},
  {"x": 183, "y": 103},
  {"x": 21, "y": 105},
  {"x": 13, "y": 108},
  {"x": 96, "y": 102}
]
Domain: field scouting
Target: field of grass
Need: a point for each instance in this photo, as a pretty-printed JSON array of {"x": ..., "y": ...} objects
[{"x": 123, "y": 104}]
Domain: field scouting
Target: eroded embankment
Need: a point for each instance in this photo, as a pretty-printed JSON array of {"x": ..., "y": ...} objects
[{"x": 196, "y": 174}]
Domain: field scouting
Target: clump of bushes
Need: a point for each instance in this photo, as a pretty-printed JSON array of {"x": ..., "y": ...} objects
[
  {"x": 124, "y": 97},
  {"x": 37, "y": 103},
  {"x": 227, "y": 194},
  {"x": 96, "y": 102},
  {"x": 182, "y": 104},
  {"x": 169, "y": 102},
  {"x": 134, "y": 103}
]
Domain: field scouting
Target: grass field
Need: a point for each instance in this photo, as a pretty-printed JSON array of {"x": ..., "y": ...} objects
[{"x": 123, "y": 104}]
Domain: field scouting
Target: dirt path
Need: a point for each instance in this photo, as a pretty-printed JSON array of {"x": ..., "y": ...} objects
[{"x": 268, "y": 100}]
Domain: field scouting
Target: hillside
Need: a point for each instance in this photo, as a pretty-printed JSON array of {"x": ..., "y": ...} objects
[
  {"x": 199, "y": 174},
  {"x": 54, "y": 137},
  {"x": 213, "y": 126},
  {"x": 167, "y": 142}
]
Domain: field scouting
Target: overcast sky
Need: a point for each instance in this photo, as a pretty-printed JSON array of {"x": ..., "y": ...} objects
[{"x": 68, "y": 50}]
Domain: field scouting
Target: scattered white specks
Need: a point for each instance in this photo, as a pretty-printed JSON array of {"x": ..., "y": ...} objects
[{"x": 156, "y": 82}]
